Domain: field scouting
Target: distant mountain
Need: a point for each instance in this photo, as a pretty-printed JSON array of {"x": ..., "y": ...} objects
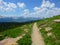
[
  {"x": 6, "y": 19},
  {"x": 19, "y": 19}
]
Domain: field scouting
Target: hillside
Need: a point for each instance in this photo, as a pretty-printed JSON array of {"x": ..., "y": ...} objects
[
  {"x": 11, "y": 32},
  {"x": 18, "y": 19},
  {"x": 46, "y": 31},
  {"x": 50, "y": 30}
]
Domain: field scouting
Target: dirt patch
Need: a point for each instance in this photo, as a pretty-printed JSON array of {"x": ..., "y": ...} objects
[
  {"x": 26, "y": 30},
  {"x": 49, "y": 34},
  {"x": 11, "y": 41},
  {"x": 48, "y": 29}
]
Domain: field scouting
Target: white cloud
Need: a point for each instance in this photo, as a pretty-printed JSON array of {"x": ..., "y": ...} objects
[
  {"x": 26, "y": 11},
  {"x": 12, "y": 5},
  {"x": 0, "y": 2},
  {"x": 47, "y": 4},
  {"x": 36, "y": 9},
  {"x": 9, "y": 16},
  {"x": 7, "y": 6},
  {"x": 47, "y": 9},
  {"x": 21, "y": 5},
  {"x": 8, "y": 9}
]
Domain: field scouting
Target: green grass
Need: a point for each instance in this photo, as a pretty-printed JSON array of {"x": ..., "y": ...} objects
[
  {"x": 12, "y": 29},
  {"x": 26, "y": 40},
  {"x": 12, "y": 32},
  {"x": 55, "y": 30}
]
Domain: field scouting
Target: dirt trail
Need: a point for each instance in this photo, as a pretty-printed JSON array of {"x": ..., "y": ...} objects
[
  {"x": 11, "y": 41},
  {"x": 37, "y": 39}
]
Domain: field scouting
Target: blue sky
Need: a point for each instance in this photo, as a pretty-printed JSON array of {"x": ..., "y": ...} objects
[
  {"x": 29, "y": 8},
  {"x": 29, "y": 3}
]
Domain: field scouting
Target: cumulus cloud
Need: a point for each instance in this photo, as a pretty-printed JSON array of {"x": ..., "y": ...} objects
[
  {"x": 12, "y": 5},
  {"x": 26, "y": 11},
  {"x": 10, "y": 16},
  {"x": 37, "y": 9},
  {"x": 21, "y": 5},
  {"x": 47, "y": 9},
  {"x": 47, "y": 4},
  {"x": 8, "y": 6}
]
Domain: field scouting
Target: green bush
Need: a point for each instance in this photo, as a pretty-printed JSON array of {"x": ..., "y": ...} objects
[
  {"x": 49, "y": 22},
  {"x": 26, "y": 40},
  {"x": 1, "y": 37}
]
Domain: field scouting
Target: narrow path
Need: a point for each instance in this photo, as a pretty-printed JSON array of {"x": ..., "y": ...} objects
[
  {"x": 11, "y": 41},
  {"x": 37, "y": 39}
]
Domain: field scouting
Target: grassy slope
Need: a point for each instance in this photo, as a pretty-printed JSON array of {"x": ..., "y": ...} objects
[
  {"x": 12, "y": 29},
  {"x": 55, "y": 30},
  {"x": 16, "y": 29},
  {"x": 26, "y": 40}
]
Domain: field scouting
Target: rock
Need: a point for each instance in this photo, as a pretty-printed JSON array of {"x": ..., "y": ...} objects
[
  {"x": 48, "y": 29},
  {"x": 40, "y": 28},
  {"x": 57, "y": 20},
  {"x": 26, "y": 30},
  {"x": 49, "y": 34}
]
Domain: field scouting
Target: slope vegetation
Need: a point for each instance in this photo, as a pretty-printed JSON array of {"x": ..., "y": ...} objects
[{"x": 50, "y": 30}]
